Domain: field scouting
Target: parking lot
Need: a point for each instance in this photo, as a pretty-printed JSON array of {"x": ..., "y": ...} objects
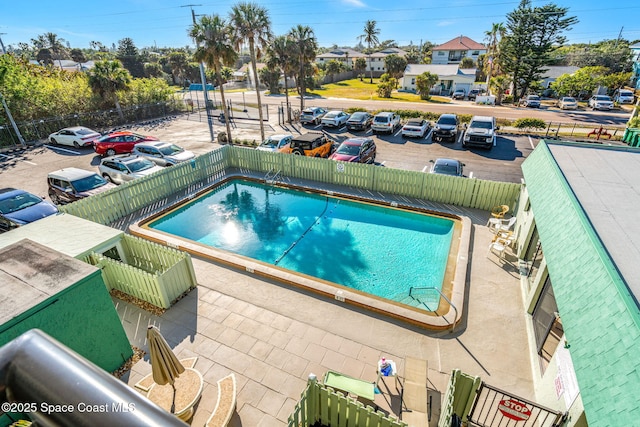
[{"x": 27, "y": 169}]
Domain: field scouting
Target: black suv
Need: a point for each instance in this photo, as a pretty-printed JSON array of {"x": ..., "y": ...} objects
[
  {"x": 446, "y": 128},
  {"x": 312, "y": 145}
]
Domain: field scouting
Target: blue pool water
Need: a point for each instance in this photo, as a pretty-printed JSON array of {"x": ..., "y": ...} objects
[{"x": 377, "y": 250}]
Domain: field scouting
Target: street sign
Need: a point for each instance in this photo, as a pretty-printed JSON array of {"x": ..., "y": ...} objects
[{"x": 514, "y": 410}]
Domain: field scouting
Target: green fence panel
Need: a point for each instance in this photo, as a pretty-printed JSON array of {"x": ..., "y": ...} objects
[
  {"x": 192, "y": 176},
  {"x": 322, "y": 404}
]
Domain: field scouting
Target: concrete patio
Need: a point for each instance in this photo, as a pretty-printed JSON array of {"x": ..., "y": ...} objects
[{"x": 272, "y": 337}]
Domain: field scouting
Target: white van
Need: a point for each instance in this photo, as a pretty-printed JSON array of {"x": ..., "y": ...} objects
[{"x": 623, "y": 96}]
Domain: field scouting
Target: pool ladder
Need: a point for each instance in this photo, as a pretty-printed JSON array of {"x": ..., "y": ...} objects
[
  {"x": 431, "y": 288},
  {"x": 273, "y": 179}
]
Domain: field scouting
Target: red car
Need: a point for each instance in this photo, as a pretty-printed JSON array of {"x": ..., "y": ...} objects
[
  {"x": 121, "y": 142},
  {"x": 358, "y": 150}
]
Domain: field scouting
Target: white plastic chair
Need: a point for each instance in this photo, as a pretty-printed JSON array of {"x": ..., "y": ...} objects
[
  {"x": 499, "y": 246},
  {"x": 497, "y": 224}
]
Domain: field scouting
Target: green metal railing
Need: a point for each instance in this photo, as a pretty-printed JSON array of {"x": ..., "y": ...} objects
[
  {"x": 323, "y": 405},
  {"x": 440, "y": 295},
  {"x": 205, "y": 170}
]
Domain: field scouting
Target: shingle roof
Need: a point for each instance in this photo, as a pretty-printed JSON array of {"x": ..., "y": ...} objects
[
  {"x": 555, "y": 72},
  {"x": 461, "y": 43},
  {"x": 583, "y": 200}
]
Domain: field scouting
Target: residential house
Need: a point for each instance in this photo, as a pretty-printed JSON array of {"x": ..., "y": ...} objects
[
  {"x": 635, "y": 78},
  {"x": 344, "y": 55},
  {"x": 375, "y": 61},
  {"x": 552, "y": 74},
  {"x": 454, "y": 50},
  {"x": 451, "y": 77},
  {"x": 578, "y": 250}
]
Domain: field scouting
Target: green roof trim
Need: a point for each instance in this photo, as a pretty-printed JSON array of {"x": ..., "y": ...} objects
[{"x": 600, "y": 316}]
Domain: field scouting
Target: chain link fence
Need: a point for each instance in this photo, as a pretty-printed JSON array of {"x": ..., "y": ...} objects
[{"x": 101, "y": 121}]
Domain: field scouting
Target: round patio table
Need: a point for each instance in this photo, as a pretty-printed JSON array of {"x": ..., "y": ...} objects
[{"x": 189, "y": 387}]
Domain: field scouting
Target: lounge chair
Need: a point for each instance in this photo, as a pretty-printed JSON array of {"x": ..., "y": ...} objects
[
  {"x": 226, "y": 403},
  {"x": 497, "y": 225}
]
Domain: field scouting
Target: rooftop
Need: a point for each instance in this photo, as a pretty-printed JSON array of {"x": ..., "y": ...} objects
[{"x": 460, "y": 43}]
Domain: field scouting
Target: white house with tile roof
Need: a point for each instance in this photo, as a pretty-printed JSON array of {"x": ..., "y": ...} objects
[
  {"x": 454, "y": 50},
  {"x": 451, "y": 77}
]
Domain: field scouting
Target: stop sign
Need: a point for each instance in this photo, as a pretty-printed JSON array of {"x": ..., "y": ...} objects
[{"x": 514, "y": 410}]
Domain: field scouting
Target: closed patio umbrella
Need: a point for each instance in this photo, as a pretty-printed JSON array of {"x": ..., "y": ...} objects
[{"x": 165, "y": 366}]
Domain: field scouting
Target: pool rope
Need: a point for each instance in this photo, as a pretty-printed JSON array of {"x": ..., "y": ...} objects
[{"x": 313, "y": 224}]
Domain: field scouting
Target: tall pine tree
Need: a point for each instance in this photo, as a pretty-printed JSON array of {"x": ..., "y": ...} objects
[{"x": 532, "y": 34}]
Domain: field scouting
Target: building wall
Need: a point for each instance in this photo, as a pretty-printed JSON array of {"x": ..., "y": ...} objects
[
  {"x": 548, "y": 382},
  {"x": 83, "y": 318}
]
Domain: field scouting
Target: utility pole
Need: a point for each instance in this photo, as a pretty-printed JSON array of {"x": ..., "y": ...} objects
[
  {"x": 13, "y": 123},
  {"x": 2, "y": 44},
  {"x": 203, "y": 79}
]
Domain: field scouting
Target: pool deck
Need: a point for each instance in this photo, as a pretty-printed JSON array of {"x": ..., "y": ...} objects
[{"x": 273, "y": 336}]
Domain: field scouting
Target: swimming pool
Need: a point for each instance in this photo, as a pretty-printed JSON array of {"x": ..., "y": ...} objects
[{"x": 360, "y": 248}]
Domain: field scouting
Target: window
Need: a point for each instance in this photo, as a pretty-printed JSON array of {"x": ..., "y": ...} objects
[
  {"x": 533, "y": 257},
  {"x": 547, "y": 325},
  {"x": 476, "y": 53},
  {"x": 413, "y": 80},
  {"x": 441, "y": 53}
]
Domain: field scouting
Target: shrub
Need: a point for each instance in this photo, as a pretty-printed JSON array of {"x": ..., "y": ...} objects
[
  {"x": 222, "y": 137},
  {"x": 635, "y": 122},
  {"x": 507, "y": 99},
  {"x": 528, "y": 123}
]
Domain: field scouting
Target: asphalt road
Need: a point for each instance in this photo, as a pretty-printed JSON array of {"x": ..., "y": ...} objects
[{"x": 615, "y": 117}]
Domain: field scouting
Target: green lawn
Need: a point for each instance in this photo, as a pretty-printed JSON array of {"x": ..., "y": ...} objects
[{"x": 357, "y": 89}]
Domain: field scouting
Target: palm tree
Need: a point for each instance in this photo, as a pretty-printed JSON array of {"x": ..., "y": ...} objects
[
  {"x": 213, "y": 35},
  {"x": 280, "y": 53},
  {"x": 107, "y": 78},
  {"x": 493, "y": 38},
  {"x": 251, "y": 23},
  {"x": 306, "y": 46},
  {"x": 370, "y": 36},
  {"x": 52, "y": 42}
]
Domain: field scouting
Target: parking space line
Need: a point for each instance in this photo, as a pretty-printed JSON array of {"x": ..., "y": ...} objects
[
  {"x": 424, "y": 169},
  {"x": 397, "y": 133},
  {"x": 531, "y": 142},
  {"x": 62, "y": 149},
  {"x": 428, "y": 134},
  {"x": 23, "y": 161}
]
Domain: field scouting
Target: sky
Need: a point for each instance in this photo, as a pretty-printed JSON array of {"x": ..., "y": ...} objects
[{"x": 165, "y": 23}]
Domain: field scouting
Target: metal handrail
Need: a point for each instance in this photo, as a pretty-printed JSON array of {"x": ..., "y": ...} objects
[{"x": 443, "y": 296}]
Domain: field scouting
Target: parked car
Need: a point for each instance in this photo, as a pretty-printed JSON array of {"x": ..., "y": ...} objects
[
  {"x": 474, "y": 93},
  {"x": 446, "y": 128},
  {"x": 71, "y": 184},
  {"x": 623, "y": 96},
  {"x": 276, "y": 143},
  {"x": 119, "y": 169},
  {"x": 567, "y": 103},
  {"x": 311, "y": 144},
  {"x": 531, "y": 101},
  {"x": 416, "y": 127},
  {"x": 458, "y": 94},
  {"x": 120, "y": 142},
  {"x": 77, "y": 136},
  {"x": 335, "y": 118},
  {"x": 385, "y": 122},
  {"x": 162, "y": 153},
  {"x": 359, "y": 150},
  {"x": 18, "y": 207},
  {"x": 450, "y": 167},
  {"x": 359, "y": 121},
  {"x": 600, "y": 102},
  {"x": 312, "y": 115},
  {"x": 481, "y": 131}
]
